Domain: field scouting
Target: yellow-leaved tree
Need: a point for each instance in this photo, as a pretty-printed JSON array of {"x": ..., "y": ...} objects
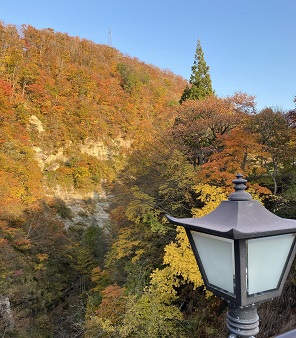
[
  {"x": 155, "y": 313},
  {"x": 180, "y": 264}
]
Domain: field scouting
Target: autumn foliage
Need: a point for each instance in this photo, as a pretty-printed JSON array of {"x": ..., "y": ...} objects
[{"x": 80, "y": 117}]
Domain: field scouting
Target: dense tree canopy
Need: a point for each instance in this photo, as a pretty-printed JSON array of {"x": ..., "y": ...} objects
[{"x": 78, "y": 117}]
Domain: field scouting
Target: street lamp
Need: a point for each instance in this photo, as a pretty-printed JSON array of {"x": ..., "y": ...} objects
[{"x": 244, "y": 253}]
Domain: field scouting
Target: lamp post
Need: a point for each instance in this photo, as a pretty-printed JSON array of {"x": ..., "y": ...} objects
[{"x": 244, "y": 253}]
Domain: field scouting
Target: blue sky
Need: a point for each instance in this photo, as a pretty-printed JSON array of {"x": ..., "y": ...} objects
[{"x": 249, "y": 45}]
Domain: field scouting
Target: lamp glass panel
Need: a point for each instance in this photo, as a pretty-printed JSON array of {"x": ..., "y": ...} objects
[
  {"x": 217, "y": 257},
  {"x": 266, "y": 260}
]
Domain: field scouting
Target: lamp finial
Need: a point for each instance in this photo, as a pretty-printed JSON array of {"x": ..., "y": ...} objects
[{"x": 240, "y": 194}]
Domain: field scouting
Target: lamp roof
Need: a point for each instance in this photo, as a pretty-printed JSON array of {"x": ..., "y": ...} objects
[{"x": 240, "y": 217}]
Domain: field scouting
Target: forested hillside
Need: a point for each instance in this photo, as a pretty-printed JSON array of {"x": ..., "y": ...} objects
[{"x": 95, "y": 148}]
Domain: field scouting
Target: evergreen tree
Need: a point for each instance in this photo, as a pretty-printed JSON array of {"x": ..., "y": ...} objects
[{"x": 200, "y": 79}]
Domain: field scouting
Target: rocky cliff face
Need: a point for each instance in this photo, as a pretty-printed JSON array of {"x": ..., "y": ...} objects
[
  {"x": 6, "y": 315},
  {"x": 84, "y": 207}
]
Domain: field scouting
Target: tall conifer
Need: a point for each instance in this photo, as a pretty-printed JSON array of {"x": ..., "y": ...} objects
[{"x": 200, "y": 79}]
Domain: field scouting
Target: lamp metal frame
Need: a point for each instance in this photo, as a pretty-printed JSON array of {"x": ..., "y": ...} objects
[{"x": 240, "y": 218}]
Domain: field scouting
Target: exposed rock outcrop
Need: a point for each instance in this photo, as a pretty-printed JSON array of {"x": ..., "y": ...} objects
[{"x": 6, "y": 316}]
